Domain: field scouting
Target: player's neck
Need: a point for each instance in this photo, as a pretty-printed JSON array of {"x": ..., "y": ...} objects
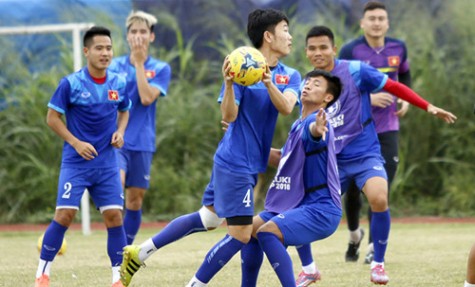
[
  {"x": 271, "y": 57},
  {"x": 375, "y": 42},
  {"x": 96, "y": 73},
  {"x": 309, "y": 109}
]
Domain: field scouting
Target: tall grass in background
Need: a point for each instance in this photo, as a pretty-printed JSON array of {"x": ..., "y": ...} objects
[{"x": 436, "y": 169}]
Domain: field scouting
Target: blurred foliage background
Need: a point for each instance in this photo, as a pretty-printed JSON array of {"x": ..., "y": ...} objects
[{"x": 436, "y": 171}]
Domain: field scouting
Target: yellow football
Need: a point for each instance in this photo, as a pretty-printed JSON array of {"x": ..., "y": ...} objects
[
  {"x": 247, "y": 65},
  {"x": 61, "y": 251}
]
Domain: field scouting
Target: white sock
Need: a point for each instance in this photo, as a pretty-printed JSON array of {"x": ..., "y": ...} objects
[
  {"x": 468, "y": 284},
  {"x": 355, "y": 236},
  {"x": 43, "y": 268},
  {"x": 196, "y": 283},
  {"x": 374, "y": 263},
  {"x": 115, "y": 274},
  {"x": 146, "y": 250},
  {"x": 310, "y": 268}
]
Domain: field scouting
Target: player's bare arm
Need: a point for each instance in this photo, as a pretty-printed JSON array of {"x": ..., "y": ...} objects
[
  {"x": 118, "y": 136},
  {"x": 139, "y": 54},
  {"x": 402, "y": 111},
  {"x": 381, "y": 100},
  {"x": 283, "y": 102},
  {"x": 55, "y": 122},
  {"x": 229, "y": 108},
  {"x": 448, "y": 117},
  {"x": 274, "y": 157},
  {"x": 405, "y": 93},
  {"x": 319, "y": 127}
]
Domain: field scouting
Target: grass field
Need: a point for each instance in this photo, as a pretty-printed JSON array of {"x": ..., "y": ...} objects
[{"x": 418, "y": 255}]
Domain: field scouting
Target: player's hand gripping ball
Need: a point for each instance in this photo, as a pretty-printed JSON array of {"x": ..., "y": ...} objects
[
  {"x": 61, "y": 251},
  {"x": 248, "y": 65}
]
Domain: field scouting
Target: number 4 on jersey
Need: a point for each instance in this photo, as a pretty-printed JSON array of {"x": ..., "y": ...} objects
[{"x": 247, "y": 199}]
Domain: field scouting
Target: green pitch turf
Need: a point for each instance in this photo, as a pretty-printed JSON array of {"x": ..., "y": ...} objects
[{"x": 418, "y": 255}]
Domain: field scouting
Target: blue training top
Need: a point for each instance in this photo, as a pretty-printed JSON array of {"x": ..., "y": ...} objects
[
  {"x": 245, "y": 146},
  {"x": 91, "y": 115},
  {"x": 307, "y": 172},
  {"x": 140, "y": 132},
  {"x": 350, "y": 115}
]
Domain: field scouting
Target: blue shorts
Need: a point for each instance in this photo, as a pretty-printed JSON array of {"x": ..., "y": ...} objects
[
  {"x": 360, "y": 170},
  {"x": 231, "y": 194},
  {"x": 103, "y": 185},
  {"x": 136, "y": 165},
  {"x": 304, "y": 224}
]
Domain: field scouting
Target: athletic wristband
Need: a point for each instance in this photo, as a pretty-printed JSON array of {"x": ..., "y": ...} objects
[{"x": 405, "y": 93}]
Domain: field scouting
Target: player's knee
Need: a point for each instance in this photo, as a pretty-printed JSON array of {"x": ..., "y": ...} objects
[
  {"x": 270, "y": 227},
  {"x": 209, "y": 219},
  {"x": 64, "y": 216}
]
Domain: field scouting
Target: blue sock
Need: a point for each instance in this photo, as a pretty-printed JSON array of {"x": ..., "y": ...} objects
[
  {"x": 380, "y": 226},
  {"x": 278, "y": 257},
  {"x": 217, "y": 257},
  {"x": 305, "y": 254},
  {"x": 251, "y": 261},
  {"x": 132, "y": 220},
  {"x": 115, "y": 243},
  {"x": 178, "y": 228},
  {"x": 52, "y": 239}
]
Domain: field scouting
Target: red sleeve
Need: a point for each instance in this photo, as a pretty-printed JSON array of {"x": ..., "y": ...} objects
[{"x": 403, "y": 92}]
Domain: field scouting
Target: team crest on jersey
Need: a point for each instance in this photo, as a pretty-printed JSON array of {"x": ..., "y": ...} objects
[
  {"x": 334, "y": 109},
  {"x": 113, "y": 95},
  {"x": 149, "y": 74},
  {"x": 282, "y": 79},
  {"x": 394, "y": 61}
]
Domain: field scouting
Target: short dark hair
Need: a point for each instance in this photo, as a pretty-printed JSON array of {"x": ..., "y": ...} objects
[
  {"x": 317, "y": 31},
  {"x": 373, "y": 5},
  {"x": 334, "y": 85},
  {"x": 94, "y": 31},
  {"x": 261, "y": 20}
]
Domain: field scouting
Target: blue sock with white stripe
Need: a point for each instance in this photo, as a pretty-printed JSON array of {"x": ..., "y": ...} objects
[
  {"x": 178, "y": 228},
  {"x": 278, "y": 257},
  {"x": 217, "y": 257},
  {"x": 115, "y": 243},
  {"x": 251, "y": 261},
  {"x": 132, "y": 221},
  {"x": 52, "y": 240},
  {"x": 380, "y": 226}
]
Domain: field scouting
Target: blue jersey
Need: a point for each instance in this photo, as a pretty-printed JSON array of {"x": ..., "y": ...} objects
[
  {"x": 320, "y": 172},
  {"x": 392, "y": 60},
  {"x": 91, "y": 115},
  {"x": 140, "y": 132},
  {"x": 246, "y": 144},
  {"x": 350, "y": 115},
  {"x": 307, "y": 172}
]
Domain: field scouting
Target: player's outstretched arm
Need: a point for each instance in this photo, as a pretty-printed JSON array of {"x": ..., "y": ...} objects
[
  {"x": 403, "y": 92},
  {"x": 319, "y": 127},
  {"x": 448, "y": 117}
]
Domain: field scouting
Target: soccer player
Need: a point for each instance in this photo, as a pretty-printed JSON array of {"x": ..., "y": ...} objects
[
  {"x": 242, "y": 153},
  {"x": 303, "y": 202},
  {"x": 357, "y": 146},
  {"x": 389, "y": 56},
  {"x": 470, "y": 279},
  {"x": 147, "y": 79},
  {"x": 96, "y": 105}
]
